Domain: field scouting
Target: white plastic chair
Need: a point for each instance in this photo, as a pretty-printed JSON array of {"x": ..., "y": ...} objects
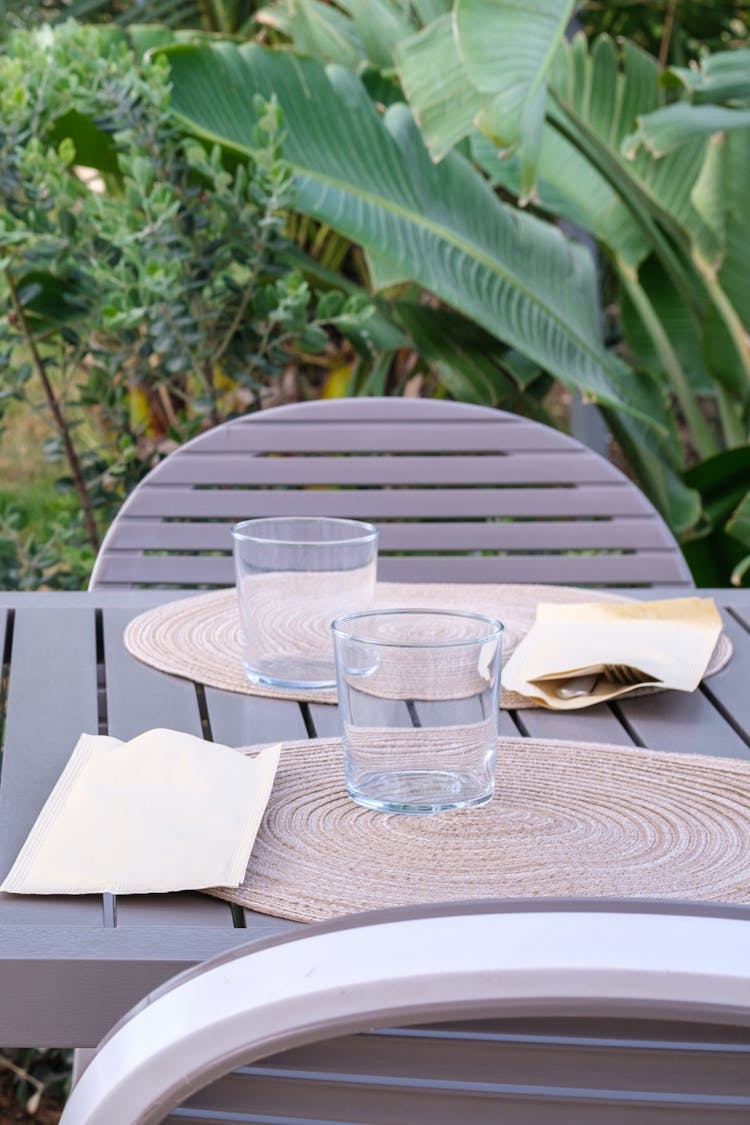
[{"x": 326, "y": 1025}]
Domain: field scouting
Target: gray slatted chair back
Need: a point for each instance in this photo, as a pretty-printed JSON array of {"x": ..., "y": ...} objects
[
  {"x": 460, "y": 493},
  {"x": 442, "y": 1014}
]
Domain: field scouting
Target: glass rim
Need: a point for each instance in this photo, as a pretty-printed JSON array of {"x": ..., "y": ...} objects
[
  {"x": 495, "y": 630},
  {"x": 369, "y": 531}
]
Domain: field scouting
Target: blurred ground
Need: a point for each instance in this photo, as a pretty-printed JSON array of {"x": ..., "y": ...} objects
[{"x": 13, "y": 1113}]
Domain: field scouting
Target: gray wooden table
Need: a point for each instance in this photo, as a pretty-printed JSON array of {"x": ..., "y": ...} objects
[{"x": 70, "y": 966}]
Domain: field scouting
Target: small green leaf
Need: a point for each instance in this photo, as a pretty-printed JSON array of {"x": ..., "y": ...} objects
[
  {"x": 720, "y": 77},
  {"x": 722, "y": 482},
  {"x": 438, "y": 86},
  {"x": 313, "y": 339},
  {"x": 738, "y": 524},
  {"x": 381, "y": 26},
  {"x": 668, "y": 128},
  {"x": 330, "y": 304}
]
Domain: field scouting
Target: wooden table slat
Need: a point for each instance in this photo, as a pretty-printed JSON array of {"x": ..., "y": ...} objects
[
  {"x": 138, "y": 697},
  {"x": 53, "y": 658},
  {"x": 730, "y": 688},
  {"x": 247, "y": 720},
  {"x": 683, "y": 723},
  {"x": 592, "y": 724}
]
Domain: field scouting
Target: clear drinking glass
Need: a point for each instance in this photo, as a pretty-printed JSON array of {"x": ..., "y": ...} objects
[
  {"x": 294, "y": 576},
  {"x": 418, "y": 707}
]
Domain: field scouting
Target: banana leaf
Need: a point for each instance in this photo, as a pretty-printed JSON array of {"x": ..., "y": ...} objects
[
  {"x": 438, "y": 87},
  {"x": 738, "y": 528},
  {"x": 678, "y": 501},
  {"x": 568, "y": 185},
  {"x": 600, "y": 93},
  {"x": 469, "y": 362},
  {"x": 429, "y": 10},
  {"x": 672, "y": 199},
  {"x": 727, "y": 356},
  {"x": 721, "y": 77},
  {"x": 487, "y": 61},
  {"x": 373, "y": 180},
  {"x": 735, "y": 271},
  {"x": 680, "y": 330},
  {"x": 381, "y": 24},
  {"x": 510, "y": 45},
  {"x": 316, "y": 29},
  {"x": 93, "y": 147},
  {"x": 720, "y": 547},
  {"x": 672, "y": 126}
]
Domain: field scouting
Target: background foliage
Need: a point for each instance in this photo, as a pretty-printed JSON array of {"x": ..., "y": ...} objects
[
  {"x": 185, "y": 282},
  {"x": 204, "y": 275},
  {"x": 587, "y": 138},
  {"x": 146, "y": 306}
]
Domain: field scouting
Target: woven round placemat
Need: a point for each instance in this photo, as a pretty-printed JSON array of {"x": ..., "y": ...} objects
[
  {"x": 566, "y": 819},
  {"x": 199, "y": 637}
]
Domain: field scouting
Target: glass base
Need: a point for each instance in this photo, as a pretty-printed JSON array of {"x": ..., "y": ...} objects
[
  {"x": 294, "y": 673},
  {"x": 419, "y": 791}
]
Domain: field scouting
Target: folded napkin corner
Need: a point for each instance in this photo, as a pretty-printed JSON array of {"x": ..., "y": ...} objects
[{"x": 165, "y": 811}]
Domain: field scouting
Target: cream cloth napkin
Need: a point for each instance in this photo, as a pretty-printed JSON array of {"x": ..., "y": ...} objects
[
  {"x": 668, "y": 642},
  {"x": 163, "y": 812}
]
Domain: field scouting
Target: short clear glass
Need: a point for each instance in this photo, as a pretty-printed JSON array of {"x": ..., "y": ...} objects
[
  {"x": 294, "y": 576},
  {"x": 418, "y": 708}
]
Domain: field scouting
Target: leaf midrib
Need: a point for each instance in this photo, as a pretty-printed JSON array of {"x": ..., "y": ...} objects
[{"x": 463, "y": 244}]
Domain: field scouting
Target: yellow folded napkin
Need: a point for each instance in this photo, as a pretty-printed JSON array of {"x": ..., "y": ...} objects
[
  {"x": 163, "y": 812},
  {"x": 668, "y": 642}
]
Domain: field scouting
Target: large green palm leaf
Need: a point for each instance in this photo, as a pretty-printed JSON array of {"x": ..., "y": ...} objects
[{"x": 373, "y": 180}]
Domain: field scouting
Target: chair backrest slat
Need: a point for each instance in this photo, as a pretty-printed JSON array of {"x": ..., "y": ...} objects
[
  {"x": 381, "y": 434},
  {"x": 596, "y": 570},
  {"x": 467, "y": 535},
  {"x": 386, "y": 469}
]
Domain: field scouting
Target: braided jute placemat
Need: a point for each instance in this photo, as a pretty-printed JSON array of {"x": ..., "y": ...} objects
[
  {"x": 199, "y": 637},
  {"x": 566, "y": 819}
]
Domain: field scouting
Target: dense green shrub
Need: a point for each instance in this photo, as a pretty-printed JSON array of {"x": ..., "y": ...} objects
[{"x": 150, "y": 301}]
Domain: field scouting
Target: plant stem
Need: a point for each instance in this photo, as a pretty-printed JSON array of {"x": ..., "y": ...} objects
[
  {"x": 666, "y": 39},
  {"x": 733, "y": 429},
  {"x": 237, "y": 319},
  {"x": 705, "y": 441},
  {"x": 58, "y": 417}
]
